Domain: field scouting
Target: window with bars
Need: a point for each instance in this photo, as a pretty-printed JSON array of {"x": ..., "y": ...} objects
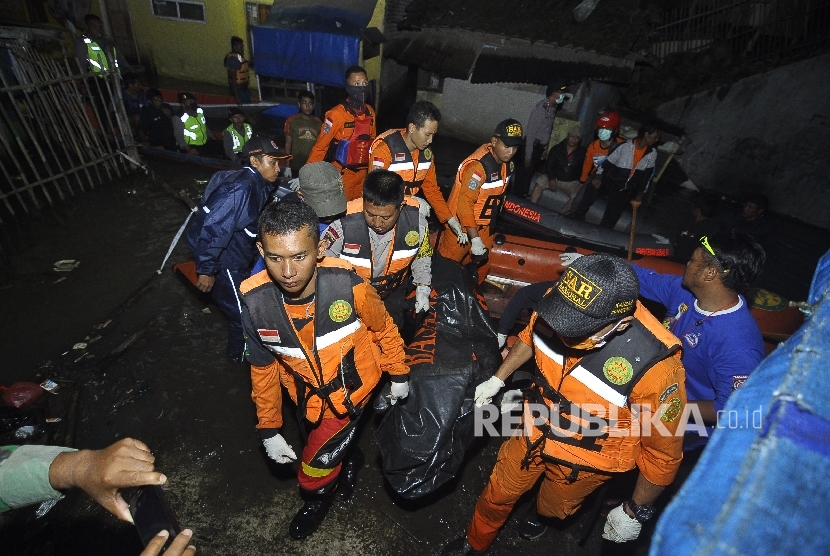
[{"x": 178, "y": 9}]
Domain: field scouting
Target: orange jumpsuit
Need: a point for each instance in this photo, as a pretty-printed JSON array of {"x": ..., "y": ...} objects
[
  {"x": 476, "y": 199},
  {"x": 417, "y": 168},
  {"x": 308, "y": 356},
  {"x": 657, "y": 453},
  {"x": 338, "y": 125}
]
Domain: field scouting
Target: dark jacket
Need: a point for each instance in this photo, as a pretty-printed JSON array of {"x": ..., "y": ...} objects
[
  {"x": 560, "y": 166},
  {"x": 223, "y": 233}
]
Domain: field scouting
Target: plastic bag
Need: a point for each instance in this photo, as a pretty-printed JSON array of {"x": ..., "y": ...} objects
[
  {"x": 21, "y": 394},
  {"x": 423, "y": 440}
]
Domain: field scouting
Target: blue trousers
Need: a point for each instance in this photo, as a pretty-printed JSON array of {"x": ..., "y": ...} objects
[{"x": 226, "y": 295}]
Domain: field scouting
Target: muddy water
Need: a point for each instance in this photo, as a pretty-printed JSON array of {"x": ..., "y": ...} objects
[{"x": 172, "y": 388}]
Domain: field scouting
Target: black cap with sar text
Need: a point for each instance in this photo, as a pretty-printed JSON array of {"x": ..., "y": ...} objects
[
  {"x": 510, "y": 132},
  {"x": 594, "y": 291}
]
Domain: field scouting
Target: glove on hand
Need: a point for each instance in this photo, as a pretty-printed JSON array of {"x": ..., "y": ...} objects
[
  {"x": 568, "y": 258},
  {"x": 422, "y": 298},
  {"x": 286, "y": 172},
  {"x": 512, "y": 399},
  {"x": 502, "y": 340},
  {"x": 400, "y": 390},
  {"x": 620, "y": 527},
  {"x": 423, "y": 207},
  {"x": 279, "y": 450},
  {"x": 294, "y": 184},
  {"x": 456, "y": 229},
  {"x": 477, "y": 247},
  {"x": 486, "y": 390}
]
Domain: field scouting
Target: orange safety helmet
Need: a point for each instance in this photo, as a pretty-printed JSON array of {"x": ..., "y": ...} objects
[{"x": 608, "y": 119}]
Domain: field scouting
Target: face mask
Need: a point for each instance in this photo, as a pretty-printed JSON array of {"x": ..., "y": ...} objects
[
  {"x": 356, "y": 96},
  {"x": 561, "y": 99},
  {"x": 604, "y": 134},
  {"x": 589, "y": 343}
]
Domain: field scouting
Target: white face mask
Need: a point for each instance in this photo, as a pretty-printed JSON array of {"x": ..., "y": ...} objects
[
  {"x": 604, "y": 134},
  {"x": 560, "y": 99}
]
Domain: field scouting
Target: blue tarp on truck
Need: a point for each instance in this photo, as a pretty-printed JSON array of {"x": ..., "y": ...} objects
[
  {"x": 760, "y": 484},
  {"x": 311, "y": 40}
]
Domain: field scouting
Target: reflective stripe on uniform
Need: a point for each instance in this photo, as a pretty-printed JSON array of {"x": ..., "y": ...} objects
[
  {"x": 335, "y": 336},
  {"x": 314, "y": 471},
  {"x": 594, "y": 384}
]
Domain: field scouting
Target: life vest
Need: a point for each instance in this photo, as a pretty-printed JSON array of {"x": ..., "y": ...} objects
[
  {"x": 497, "y": 177},
  {"x": 402, "y": 163},
  {"x": 341, "y": 369},
  {"x": 596, "y": 387},
  {"x": 357, "y": 247},
  {"x": 242, "y": 72},
  {"x": 195, "y": 128},
  {"x": 353, "y": 151},
  {"x": 238, "y": 140},
  {"x": 97, "y": 58}
]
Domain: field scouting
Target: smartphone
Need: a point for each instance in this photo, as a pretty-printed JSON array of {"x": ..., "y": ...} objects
[{"x": 151, "y": 513}]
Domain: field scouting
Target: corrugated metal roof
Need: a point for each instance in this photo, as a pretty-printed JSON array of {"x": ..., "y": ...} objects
[{"x": 486, "y": 58}]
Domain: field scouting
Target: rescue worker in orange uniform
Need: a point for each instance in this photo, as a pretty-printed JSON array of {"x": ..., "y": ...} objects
[
  {"x": 608, "y": 396},
  {"x": 320, "y": 330},
  {"x": 385, "y": 237},
  {"x": 480, "y": 187},
  {"x": 406, "y": 152},
  {"x": 348, "y": 132},
  {"x": 608, "y": 129}
]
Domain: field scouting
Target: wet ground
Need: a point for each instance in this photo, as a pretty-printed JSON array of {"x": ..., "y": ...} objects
[{"x": 153, "y": 369}]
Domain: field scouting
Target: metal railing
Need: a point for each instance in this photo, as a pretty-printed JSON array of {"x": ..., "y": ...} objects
[
  {"x": 60, "y": 130},
  {"x": 752, "y": 31}
]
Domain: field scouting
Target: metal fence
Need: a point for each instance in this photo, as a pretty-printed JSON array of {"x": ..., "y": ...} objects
[
  {"x": 753, "y": 31},
  {"x": 60, "y": 130}
]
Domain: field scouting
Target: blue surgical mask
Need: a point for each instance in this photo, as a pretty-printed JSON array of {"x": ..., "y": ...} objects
[
  {"x": 604, "y": 134},
  {"x": 561, "y": 99}
]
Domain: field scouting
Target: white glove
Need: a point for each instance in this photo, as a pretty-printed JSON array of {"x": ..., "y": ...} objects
[
  {"x": 512, "y": 399},
  {"x": 456, "y": 229},
  {"x": 477, "y": 247},
  {"x": 502, "y": 340},
  {"x": 422, "y": 298},
  {"x": 620, "y": 527},
  {"x": 399, "y": 390},
  {"x": 487, "y": 389},
  {"x": 294, "y": 184},
  {"x": 279, "y": 450},
  {"x": 423, "y": 207},
  {"x": 568, "y": 258},
  {"x": 286, "y": 173}
]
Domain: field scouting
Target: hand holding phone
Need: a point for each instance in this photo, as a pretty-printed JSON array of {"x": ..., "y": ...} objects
[{"x": 151, "y": 514}]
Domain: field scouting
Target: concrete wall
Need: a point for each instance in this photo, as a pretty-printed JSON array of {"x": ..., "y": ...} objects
[
  {"x": 190, "y": 50},
  {"x": 767, "y": 133},
  {"x": 470, "y": 111}
]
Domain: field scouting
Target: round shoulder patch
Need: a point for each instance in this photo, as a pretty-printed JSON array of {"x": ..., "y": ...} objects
[
  {"x": 428, "y": 153},
  {"x": 412, "y": 238},
  {"x": 340, "y": 310},
  {"x": 672, "y": 410},
  {"x": 618, "y": 370},
  {"x": 766, "y": 300},
  {"x": 511, "y": 166}
]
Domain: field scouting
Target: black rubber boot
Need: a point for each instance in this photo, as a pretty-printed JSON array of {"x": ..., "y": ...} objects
[
  {"x": 310, "y": 516},
  {"x": 459, "y": 547},
  {"x": 531, "y": 528},
  {"x": 348, "y": 477}
]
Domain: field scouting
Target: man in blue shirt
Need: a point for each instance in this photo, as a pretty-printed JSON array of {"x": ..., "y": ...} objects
[
  {"x": 223, "y": 234},
  {"x": 720, "y": 339}
]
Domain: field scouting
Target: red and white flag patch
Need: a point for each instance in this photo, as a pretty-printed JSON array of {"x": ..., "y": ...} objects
[
  {"x": 269, "y": 336},
  {"x": 377, "y": 162},
  {"x": 351, "y": 248},
  {"x": 477, "y": 176},
  {"x": 400, "y": 157}
]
